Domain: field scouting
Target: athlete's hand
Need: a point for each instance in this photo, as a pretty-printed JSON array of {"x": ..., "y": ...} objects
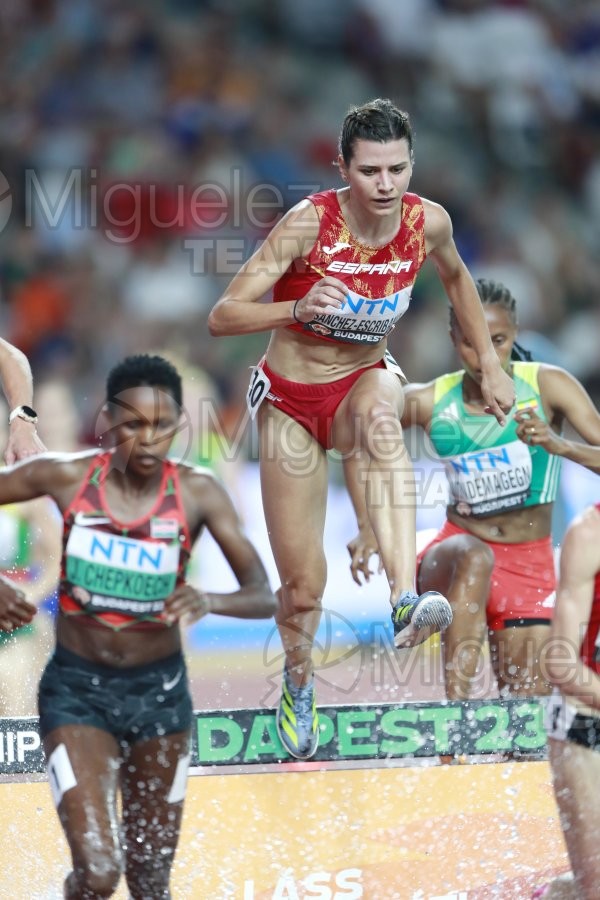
[
  {"x": 535, "y": 432},
  {"x": 186, "y": 603},
  {"x": 15, "y": 610},
  {"x": 498, "y": 391},
  {"x": 361, "y": 548},
  {"x": 23, "y": 442},
  {"x": 328, "y": 292}
]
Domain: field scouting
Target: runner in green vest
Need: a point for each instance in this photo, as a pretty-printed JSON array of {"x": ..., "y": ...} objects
[{"x": 493, "y": 557}]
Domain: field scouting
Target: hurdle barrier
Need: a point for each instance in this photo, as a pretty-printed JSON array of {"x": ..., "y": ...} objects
[
  {"x": 385, "y": 731},
  {"x": 370, "y": 816}
]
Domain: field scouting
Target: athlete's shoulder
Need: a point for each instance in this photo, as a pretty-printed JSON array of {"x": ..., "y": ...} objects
[
  {"x": 437, "y": 223},
  {"x": 550, "y": 376},
  {"x": 301, "y": 219},
  {"x": 434, "y": 210},
  {"x": 419, "y": 389},
  {"x": 196, "y": 478},
  {"x": 324, "y": 199},
  {"x": 446, "y": 384},
  {"x": 205, "y": 496},
  {"x": 418, "y": 403}
]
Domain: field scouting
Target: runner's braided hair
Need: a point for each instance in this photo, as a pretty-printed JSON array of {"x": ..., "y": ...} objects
[{"x": 494, "y": 292}]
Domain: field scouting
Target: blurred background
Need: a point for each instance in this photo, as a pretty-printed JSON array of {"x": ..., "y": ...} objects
[{"x": 147, "y": 147}]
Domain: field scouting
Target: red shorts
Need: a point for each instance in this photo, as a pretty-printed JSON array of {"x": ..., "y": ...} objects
[
  {"x": 312, "y": 405},
  {"x": 523, "y": 586}
]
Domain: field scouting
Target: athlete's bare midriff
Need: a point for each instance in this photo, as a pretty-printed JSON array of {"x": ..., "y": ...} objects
[
  {"x": 312, "y": 361},
  {"x": 532, "y": 523},
  {"x": 121, "y": 649}
]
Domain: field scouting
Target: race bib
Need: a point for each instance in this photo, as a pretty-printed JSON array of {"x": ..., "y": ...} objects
[
  {"x": 257, "y": 389},
  {"x": 361, "y": 320},
  {"x": 112, "y": 573},
  {"x": 489, "y": 481}
]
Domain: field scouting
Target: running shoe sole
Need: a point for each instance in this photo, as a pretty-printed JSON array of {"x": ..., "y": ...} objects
[{"x": 431, "y": 615}]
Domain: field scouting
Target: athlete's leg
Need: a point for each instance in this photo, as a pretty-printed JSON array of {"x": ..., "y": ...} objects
[
  {"x": 517, "y": 659},
  {"x": 153, "y": 783},
  {"x": 460, "y": 568},
  {"x": 368, "y": 421},
  {"x": 576, "y": 774},
  {"x": 83, "y": 770},
  {"x": 293, "y": 469}
]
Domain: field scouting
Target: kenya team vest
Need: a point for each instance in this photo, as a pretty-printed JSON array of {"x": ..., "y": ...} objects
[
  {"x": 379, "y": 280},
  {"x": 489, "y": 470},
  {"x": 118, "y": 575},
  {"x": 590, "y": 646}
]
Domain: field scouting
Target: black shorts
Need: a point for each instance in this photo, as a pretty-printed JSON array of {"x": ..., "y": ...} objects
[{"x": 133, "y": 704}]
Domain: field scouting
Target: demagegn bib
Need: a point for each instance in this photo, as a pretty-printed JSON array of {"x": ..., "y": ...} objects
[
  {"x": 488, "y": 469},
  {"x": 117, "y": 574}
]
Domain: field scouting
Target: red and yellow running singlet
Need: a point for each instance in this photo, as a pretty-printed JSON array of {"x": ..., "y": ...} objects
[
  {"x": 118, "y": 575},
  {"x": 379, "y": 279}
]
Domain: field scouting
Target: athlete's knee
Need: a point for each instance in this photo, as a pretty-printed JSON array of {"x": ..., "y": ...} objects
[
  {"x": 303, "y": 593},
  {"x": 303, "y": 598},
  {"x": 382, "y": 421},
  {"x": 474, "y": 559}
]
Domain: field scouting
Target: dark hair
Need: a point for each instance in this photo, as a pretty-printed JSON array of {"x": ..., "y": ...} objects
[
  {"x": 379, "y": 120},
  {"x": 494, "y": 292},
  {"x": 144, "y": 370}
]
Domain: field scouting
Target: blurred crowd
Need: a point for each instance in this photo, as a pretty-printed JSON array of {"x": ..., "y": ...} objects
[{"x": 146, "y": 147}]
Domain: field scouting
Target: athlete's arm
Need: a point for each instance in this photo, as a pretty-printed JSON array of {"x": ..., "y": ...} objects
[
  {"x": 29, "y": 480},
  {"x": 17, "y": 384},
  {"x": 497, "y": 387},
  {"x": 418, "y": 405},
  {"x": 254, "y": 600},
  {"x": 565, "y": 399},
  {"x": 239, "y": 311},
  {"x": 54, "y": 474},
  {"x": 579, "y": 563}
]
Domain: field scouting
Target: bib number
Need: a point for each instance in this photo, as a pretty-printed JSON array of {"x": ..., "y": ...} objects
[{"x": 257, "y": 390}]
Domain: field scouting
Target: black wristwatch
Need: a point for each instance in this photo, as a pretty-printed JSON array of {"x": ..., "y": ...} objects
[{"x": 23, "y": 412}]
